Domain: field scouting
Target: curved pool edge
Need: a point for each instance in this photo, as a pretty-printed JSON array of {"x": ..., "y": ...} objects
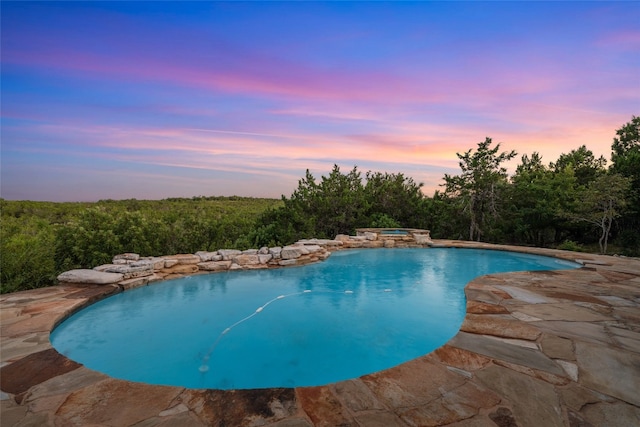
[{"x": 570, "y": 336}]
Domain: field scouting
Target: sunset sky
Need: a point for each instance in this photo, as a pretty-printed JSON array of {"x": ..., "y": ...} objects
[{"x": 150, "y": 100}]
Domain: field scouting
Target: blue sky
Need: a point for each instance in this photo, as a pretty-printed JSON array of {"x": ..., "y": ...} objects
[{"x": 150, "y": 100}]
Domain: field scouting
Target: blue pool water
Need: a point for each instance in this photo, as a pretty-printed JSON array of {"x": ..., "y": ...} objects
[
  {"x": 396, "y": 232},
  {"x": 359, "y": 312}
]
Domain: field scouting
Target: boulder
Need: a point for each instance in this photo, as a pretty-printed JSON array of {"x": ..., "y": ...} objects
[
  {"x": 293, "y": 252},
  {"x": 228, "y": 254},
  {"x": 303, "y": 249},
  {"x": 128, "y": 271},
  {"x": 185, "y": 259},
  {"x": 373, "y": 244},
  {"x": 323, "y": 243},
  {"x": 181, "y": 269},
  {"x": 265, "y": 258},
  {"x": 168, "y": 263},
  {"x": 136, "y": 282},
  {"x": 153, "y": 262},
  {"x": 126, "y": 257},
  {"x": 208, "y": 256},
  {"x": 313, "y": 248},
  {"x": 275, "y": 251},
  {"x": 214, "y": 265},
  {"x": 93, "y": 277},
  {"x": 422, "y": 239},
  {"x": 246, "y": 259}
]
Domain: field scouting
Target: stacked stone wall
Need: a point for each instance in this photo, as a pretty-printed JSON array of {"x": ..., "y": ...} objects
[
  {"x": 387, "y": 238},
  {"x": 130, "y": 270}
]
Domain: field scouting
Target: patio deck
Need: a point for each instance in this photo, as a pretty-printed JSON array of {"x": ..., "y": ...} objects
[{"x": 559, "y": 348}]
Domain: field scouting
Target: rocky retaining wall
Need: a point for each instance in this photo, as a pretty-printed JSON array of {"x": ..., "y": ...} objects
[
  {"x": 131, "y": 270},
  {"x": 387, "y": 238}
]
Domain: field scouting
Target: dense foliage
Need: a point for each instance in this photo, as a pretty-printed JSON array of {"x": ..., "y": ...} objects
[
  {"x": 478, "y": 190},
  {"x": 39, "y": 240},
  {"x": 339, "y": 204},
  {"x": 574, "y": 203}
]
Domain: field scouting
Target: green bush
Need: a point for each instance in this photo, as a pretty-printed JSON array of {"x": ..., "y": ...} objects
[
  {"x": 380, "y": 220},
  {"x": 570, "y": 245},
  {"x": 26, "y": 254}
]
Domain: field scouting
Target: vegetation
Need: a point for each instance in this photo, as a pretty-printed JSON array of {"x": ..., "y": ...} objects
[
  {"x": 603, "y": 201},
  {"x": 575, "y": 203},
  {"x": 39, "y": 240},
  {"x": 339, "y": 204},
  {"x": 478, "y": 190}
]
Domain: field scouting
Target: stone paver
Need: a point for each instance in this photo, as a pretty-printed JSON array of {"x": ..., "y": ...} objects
[{"x": 557, "y": 348}]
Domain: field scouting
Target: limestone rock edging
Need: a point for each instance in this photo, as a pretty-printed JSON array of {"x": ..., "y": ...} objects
[
  {"x": 94, "y": 277},
  {"x": 130, "y": 270}
]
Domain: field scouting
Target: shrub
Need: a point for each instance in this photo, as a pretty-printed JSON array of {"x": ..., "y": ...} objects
[
  {"x": 570, "y": 245},
  {"x": 27, "y": 254}
]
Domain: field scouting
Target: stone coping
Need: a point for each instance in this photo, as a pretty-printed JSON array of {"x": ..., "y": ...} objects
[
  {"x": 129, "y": 270},
  {"x": 554, "y": 348}
]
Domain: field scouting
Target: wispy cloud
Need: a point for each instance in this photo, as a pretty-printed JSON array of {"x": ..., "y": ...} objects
[{"x": 199, "y": 98}]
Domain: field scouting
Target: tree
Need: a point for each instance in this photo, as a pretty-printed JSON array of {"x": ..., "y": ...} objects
[
  {"x": 604, "y": 201},
  {"x": 585, "y": 166},
  {"x": 540, "y": 199},
  {"x": 335, "y": 205},
  {"x": 442, "y": 216},
  {"x": 394, "y": 199},
  {"x": 531, "y": 203},
  {"x": 479, "y": 186},
  {"x": 625, "y": 158},
  {"x": 341, "y": 204},
  {"x": 625, "y": 154}
]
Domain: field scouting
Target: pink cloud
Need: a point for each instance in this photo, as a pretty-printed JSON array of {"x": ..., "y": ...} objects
[
  {"x": 267, "y": 76},
  {"x": 624, "y": 40},
  {"x": 383, "y": 95}
]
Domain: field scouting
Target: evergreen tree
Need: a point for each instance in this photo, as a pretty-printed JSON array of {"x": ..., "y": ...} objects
[
  {"x": 478, "y": 189},
  {"x": 625, "y": 159}
]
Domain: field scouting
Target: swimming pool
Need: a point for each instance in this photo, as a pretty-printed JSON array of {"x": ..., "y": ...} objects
[{"x": 359, "y": 312}]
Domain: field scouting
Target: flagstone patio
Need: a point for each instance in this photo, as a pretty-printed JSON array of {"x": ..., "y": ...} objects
[{"x": 557, "y": 348}]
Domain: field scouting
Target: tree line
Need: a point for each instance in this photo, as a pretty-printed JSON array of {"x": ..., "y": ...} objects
[{"x": 577, "y": 202}]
